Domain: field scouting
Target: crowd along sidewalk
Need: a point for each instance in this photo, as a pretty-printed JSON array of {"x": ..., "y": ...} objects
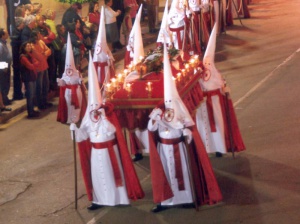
[{"x": 19, "y": 106}]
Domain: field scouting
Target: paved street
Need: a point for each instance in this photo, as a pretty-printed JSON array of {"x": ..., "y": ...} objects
[{"x": 260, "y": 61}]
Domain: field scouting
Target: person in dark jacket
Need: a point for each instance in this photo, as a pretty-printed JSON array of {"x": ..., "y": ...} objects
[
  {"x": 71, "y": 15},
  {"x": 29, "y": 26},
  {"x": 15, "y": 46},
  {"x": 5, "y": 57}
]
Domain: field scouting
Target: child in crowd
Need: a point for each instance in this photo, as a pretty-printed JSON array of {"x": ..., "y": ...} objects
[{"x": 29, "y": 64}]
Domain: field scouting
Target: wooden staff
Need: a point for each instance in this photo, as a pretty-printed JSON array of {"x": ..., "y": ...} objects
[{"x": 75, "y": 167}]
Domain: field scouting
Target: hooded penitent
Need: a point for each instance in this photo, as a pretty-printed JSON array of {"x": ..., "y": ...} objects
[
  {"x": 176, "y": 114},
  {"x": 72, "y": 100},
  {"x": 103, "y": 58},
  {"x": 212, "y": 79},
  {"x": 176, "y": 22},
  {"x": 135, "y": 47},
  {"x": 164, "y": 32},
  {"x": 70, "y": 68},
  {"x": 94, "y": 94}
]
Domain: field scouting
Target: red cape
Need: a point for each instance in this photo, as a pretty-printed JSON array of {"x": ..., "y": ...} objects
[
  {"x": 205, "y": 184},
  {"x": 62, "y": 111}
]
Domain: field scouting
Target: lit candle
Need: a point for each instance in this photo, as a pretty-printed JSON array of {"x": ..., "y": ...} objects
[
  {"x": 128, "y": 89},
  {"x": 178, "y": 77},
  {"x": 149, "y": 88},
  {"x": 114, "y": 82},
  {"x": 108, "y": 87},
  {"x": 119, "y": 77}
]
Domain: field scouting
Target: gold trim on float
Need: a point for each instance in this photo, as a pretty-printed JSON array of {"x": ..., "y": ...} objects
[
  {"x": 134, "y": 100},
  {"x": 151, "y": 106}
]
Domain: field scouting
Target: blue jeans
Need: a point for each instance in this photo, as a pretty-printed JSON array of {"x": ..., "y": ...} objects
[
  {"x": 42, "y": 88},
  {"x": 30, "y": 94}
]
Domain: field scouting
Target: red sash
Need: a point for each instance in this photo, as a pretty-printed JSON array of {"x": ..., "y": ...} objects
[
  {"x": 178, "y": 165},
  {"x": 210, "y": 109},
  {"x": 177, "y": 31},
  {"x": 109, "y": 144},
  {"x": 102, "y": 66},
  {"x": 74, "y": 97}
]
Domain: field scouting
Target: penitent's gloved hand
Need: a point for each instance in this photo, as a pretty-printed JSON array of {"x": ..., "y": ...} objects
[
  {"x": 156, "y": 114},
  {"x": 188, "y": 134}
]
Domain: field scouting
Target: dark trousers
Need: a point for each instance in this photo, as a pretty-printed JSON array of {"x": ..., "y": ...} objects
[
  {"x": 30, "y": 94},
  {"x": 5, "y": 83},
  {"x": 17, "y": 74},
  {"x": 42, "y": 88}
]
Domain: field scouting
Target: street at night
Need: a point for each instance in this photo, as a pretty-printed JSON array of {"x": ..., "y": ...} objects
[{"x": 259, "y": 58}]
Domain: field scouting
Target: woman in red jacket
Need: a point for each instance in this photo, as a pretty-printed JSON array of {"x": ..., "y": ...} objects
[
  {"x": 94, "y": 19},
  {"x": 29, "y": 63}
]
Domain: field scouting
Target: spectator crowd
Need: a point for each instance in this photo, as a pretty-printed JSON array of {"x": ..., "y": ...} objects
[{"x": 38, "y": 46}]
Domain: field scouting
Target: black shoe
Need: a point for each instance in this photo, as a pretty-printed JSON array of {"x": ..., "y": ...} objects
[
  {"x": 43, "y": 107},
  {"x": 218, "y": 154},
  {"x": 7, "y": 102},
  {"x": 5, "y": 109},
  {"x": 94, "y": 206},
  {"x": 34, "y": 114},
  {"x": 48, "y": 105},
  {"x": 137, "y": 157},
  {"x": 188, "y": 206},
  {"x": 18, "y": 98},
  {"x": 158, "y": 208}
]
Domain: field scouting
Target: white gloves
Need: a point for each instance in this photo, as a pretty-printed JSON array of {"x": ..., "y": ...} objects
[
  {"x": 156, "y": 114},
  {"x": 60, "y": 82},
  {"x": 188, "y": 134},
  {"x": 73, "y": 127}
]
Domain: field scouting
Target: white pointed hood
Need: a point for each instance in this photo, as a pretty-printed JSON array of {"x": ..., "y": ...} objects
[
  {"x": 94, "y": 97},
  {"x": 217, "y": 14},
  {"x": 213, "y": 79},
  {"x": 102, "y": 52},
  {"x": 164, "y": 27},
  {"x": 94, "y": 94},
  {"x": 176, "y": 114},
  {"x": 70, "y": 68},
  {"x": 135, "y": 40}
]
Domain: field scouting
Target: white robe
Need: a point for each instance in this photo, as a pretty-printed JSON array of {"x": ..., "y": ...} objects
[
  {"x": 73, "y": 114},
  {"x": 166, "y": 153},
  {"x": 213, "y": 141},
  {"x": 105, "y": 191}
]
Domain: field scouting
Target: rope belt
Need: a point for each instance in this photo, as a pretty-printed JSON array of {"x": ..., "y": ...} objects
[
  {"x": 116, "y": 170},
  {"x": 177, "y": 159}
]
